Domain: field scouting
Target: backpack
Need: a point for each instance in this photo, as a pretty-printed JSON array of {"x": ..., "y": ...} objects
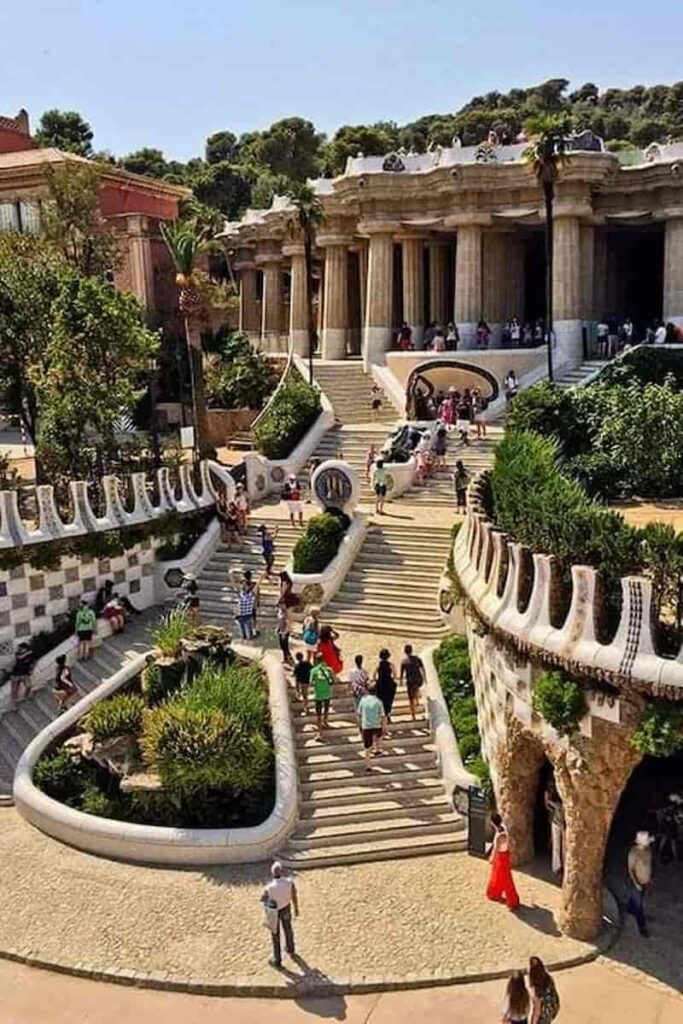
[{"x": 550, "y": 1004}]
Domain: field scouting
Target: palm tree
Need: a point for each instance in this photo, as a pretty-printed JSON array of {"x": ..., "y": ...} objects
[
  {"x": 185, "y": 241},
  {"x": 545, "y": 154},
  {"x": 308, "y": 213}
]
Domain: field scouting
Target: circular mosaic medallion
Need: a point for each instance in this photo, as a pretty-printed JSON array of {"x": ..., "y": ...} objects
[
  {"x": 312, "y": 594},
  {"x": 173, "y": 578},
  {"x": 445, "y": 601},
  {"x": 277, "y": 474},
  {"x": 260, "y": 482},
  {"x": 333, "y": 487}
]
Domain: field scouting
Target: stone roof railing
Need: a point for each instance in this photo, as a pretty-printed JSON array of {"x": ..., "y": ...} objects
[{"x": 492, "y": 571}]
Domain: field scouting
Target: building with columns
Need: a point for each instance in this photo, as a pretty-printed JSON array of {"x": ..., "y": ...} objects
[
  {"x": 134, "y": 205},
  {"x": 457, "y": 234}
]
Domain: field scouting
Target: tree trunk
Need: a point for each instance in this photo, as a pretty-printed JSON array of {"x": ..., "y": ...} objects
[
  {"x": 199, "y": 417},
  {"x": 308, "y": 251},
  {"x": 548, "y": 195}
]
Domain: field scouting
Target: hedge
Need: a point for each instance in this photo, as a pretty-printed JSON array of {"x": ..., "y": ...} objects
[
  {"x": 293, "y": 411},
  {"x": 452, "y": 663},
  {"x": 318, "y": 544}
]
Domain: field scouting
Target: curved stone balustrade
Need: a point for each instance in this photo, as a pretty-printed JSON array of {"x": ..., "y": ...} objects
[
  {"x": 491, "y": 571},
  {"x": 14, "y": 531}
]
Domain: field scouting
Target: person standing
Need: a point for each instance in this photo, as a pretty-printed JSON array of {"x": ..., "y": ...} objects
[
  {"x": 279, "y": 898},
  {"x": 412, "y": 670},
  {"x": 64, "y": 687},
  {"x": 440, "y": 447},
  {"x": 464, "y": 417},
  {"x": 501, "y": 884},
  {"x": 371, "y": 719},
  {"x": 478, "y": 410},
  {"x": 370, "y": 461},
  {"x": 545, "y": 1002},
  {"x": 555, "y": 809},
  {"x": 660, "y": 333},
  {"x": 517, "y": 1002},
  {"x": 510, "y": 386},
  {"x": 246, "y": 608},
  {"x": 268, "y": 547},
  {"x": 85, "y": 625},
  {"x": 322, "y": 680},
  {"x": 639, "y": 863},
  {"x": 311, "y": 632},
  {"x": 24, "y": 660},
  {"x": 291, "y": 495},
  {"x": 327, "y": 645},
  {"x": 385, "y": 682},
  {"x": 379, "y": 486},
  {"x": 461, "y": 479},
  {"x": 452, "y": 337},
  {"x": 283, "y": 629},
  {"x": 302, "y": 679},
  {"x": 358, "y": 680}
]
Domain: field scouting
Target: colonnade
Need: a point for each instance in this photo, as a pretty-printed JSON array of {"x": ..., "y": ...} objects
[{"x": 475, "y": 272}]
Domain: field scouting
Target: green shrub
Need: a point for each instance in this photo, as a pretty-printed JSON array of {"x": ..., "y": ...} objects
[
  {"x": 560, "y": 701},
  {"x": 645, "y": 365},
  {"x": 479, "y": 767},
  {"x": 117, "y": 716},
  {"x": 170, "y": 631},
  {"x": 64, "y": 776},
  {"x": 294, "y": 409},
  {"x": 192, "y": 749},
  {"x": 452, "y": 663},
  {"x": 239, "y": 692},
  {"x": 318, "y": 544},
  {"x": 660, "y": 730},
  {"x": 241, "y": 378},
  {"x": 158, "y": 682},
  {"x": 94, "y": 801}
]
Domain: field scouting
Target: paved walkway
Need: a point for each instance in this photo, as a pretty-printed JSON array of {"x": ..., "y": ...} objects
[{"x": 590, "y": 995}]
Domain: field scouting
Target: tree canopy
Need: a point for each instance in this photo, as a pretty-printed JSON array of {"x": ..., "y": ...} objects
[{"x": 247, "y": 170}]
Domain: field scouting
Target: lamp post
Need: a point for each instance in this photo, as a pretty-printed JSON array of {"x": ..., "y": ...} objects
[{"x": 153, "y": 367}]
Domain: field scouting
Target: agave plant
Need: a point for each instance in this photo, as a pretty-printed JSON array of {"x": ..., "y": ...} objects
[{"x": 547, "y": 135}]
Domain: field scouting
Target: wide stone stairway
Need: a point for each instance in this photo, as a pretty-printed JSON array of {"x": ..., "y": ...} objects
[
  {"x": 348, "y": 815},
  {"x": 348, "y": 386}
]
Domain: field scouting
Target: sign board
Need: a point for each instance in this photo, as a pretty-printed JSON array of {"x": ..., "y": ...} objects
[
  {"x": 477, "y": 821},
  {"x": 187, "y": 437}
]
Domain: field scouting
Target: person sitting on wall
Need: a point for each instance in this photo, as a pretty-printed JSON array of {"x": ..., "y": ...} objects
[
  {"x": 430, "y": 334},
  {"x": 510, "y": 386},
  {"x": 104, "y": 596},
  {"x": 452, "y": 337},
  {"x": 405, "y": 338},
  {"x": 113, "y": 613}
]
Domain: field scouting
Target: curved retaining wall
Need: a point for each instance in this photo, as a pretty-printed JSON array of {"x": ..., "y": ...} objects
[{"x": 149, "y": 844}]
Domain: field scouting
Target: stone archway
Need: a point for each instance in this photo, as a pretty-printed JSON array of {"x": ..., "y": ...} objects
[{"x": 518, "y": 763}]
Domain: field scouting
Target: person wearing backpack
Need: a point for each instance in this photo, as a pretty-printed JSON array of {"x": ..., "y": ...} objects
[{"x": 545, "y": 1002}]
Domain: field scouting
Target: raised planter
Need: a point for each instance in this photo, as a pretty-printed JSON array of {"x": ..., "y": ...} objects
[
  {"x": 320, "y": 587},
  {"x": 150, "y": 844}
]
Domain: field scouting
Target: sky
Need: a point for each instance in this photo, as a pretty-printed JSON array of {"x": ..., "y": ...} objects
[{"x": 167, "y": 74}]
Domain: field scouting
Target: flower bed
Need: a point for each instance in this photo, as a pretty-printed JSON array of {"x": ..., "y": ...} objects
[{"x": 186, "y": 744}]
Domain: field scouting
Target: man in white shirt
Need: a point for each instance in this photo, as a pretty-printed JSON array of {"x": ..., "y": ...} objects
[
  {"x": 640, "y": 875},
  {"x": 660, "y": 333},
  {"x": 280, "y": 896}
]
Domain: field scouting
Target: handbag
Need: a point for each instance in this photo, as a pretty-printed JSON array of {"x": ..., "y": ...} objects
[{"x": 270, "y": 916}]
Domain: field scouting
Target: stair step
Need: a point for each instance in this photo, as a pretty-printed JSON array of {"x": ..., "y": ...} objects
[
  {"x": 353, "y": 809},
  {"x": 344, "y": 769},
  {"x": 433, "y": 822},
  {"x": 350, "y": 737},
  {"x": 375, "y": 850},
  {"x": 369, "y": 787}
]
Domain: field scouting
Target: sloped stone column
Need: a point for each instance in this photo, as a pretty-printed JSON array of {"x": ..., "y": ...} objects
[
  {"x": 590, "y": 776},
  {"x": 336, "y": 303},
  {"x": 468, "y": 283},
  {"x": 518, "y": 763},
  {"x": 567, "y": 301},
  {"x": 673, "y": 269},
  {"x": 250, "y": 315},
  {"x": 298, "y": 299},
  {"x": 272, "y": 302},
  {"x": 380, "y": 298}
]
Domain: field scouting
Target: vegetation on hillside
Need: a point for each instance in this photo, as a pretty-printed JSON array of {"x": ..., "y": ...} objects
[{"x": 236, "y": 172}]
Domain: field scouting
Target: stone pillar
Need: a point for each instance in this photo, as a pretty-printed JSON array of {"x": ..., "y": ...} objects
[
  {"x": 363, "y": 283},
  {"x": 272, "y": 302},
  {"x": 600, "y": 273},
  {"x": 379, "y": 303},
  {"x": 413, "y": 287},
  {"x": 567, "y": 300},
  {"x": 438, "y": 256},
  {"x": 140, "y": 261},
  {"x": 673, "y": 269},
  {"x": 588, "y": 311},
  {"x": 249, "y": 316},
  {"x": 298, "y": 299},
  {"x": 590, "y": 775},
  {"x": 495, "y": 283},
  {"x": 336, "y": 301},
  {"x": 468, "y": 283},
  {"x": 518, "y": 762}
]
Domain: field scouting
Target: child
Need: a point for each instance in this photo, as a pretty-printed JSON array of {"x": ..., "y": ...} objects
[
  {"x": 64, "y": 687},
  {"x": 268, "y": 547},
  {"x": 302, "y": 679}
]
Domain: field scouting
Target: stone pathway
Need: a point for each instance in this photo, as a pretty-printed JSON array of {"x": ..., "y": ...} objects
[
  {"x": 590, "y": 995},
  {"x": 392, "y": 918}
]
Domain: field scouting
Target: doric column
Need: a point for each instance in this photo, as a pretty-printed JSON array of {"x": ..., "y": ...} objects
[
  {"x": 140, "y": 261},
  {"x": 673, "y": 268},
  {"x": 438, "y": 256},
  {"x": 250, "y": 315},
  {"x": 272, "y": 300},
  {"x": 468, "y": 283},
  {"x": 380, "y": 296},
  {"x": 495, "y": 283},
  {"x": 413, "y": 287},
  {"x": 298, "y": 298},
  {"x": 336, "y": 301},
  {"x": 567, "y": 303},
  {"x": 588, "y": 311}
]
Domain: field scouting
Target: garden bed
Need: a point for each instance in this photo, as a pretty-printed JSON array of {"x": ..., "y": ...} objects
[
  {"x": 452, "y": 663},
  {"x": 186, "y": 743}
]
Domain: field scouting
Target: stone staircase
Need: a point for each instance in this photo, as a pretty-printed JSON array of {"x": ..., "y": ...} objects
[
  {"x": 220, "y": 577},
  {"x": 348, "y": 815},
  {"x": 477, "y": 456},
  {"x": 347, "y": 386},
  {"x": 392, "y": 586},
  {"x": 582, "y": 375},
  {"x": 18, "y": 727}
]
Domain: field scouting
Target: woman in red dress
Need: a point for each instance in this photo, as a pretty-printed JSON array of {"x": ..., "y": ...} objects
[
  {"x": 329, "y": 650},
  {"x": 501, "y": 884}
]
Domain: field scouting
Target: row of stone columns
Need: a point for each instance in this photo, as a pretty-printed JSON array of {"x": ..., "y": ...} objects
[{"x": 489, "y": 281}]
